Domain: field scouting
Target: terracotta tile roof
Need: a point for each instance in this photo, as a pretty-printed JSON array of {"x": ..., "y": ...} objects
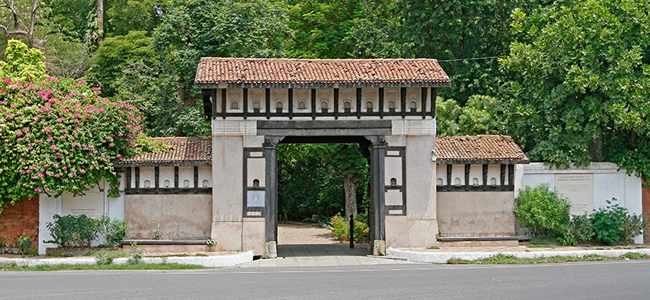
[
  {"x": 315, "y": 73},
  {"x": 186, "y": 151},
  {"x": 479, "y": 149}
]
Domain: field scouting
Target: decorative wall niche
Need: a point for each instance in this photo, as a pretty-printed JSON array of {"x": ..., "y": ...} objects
[{"x": 234, "y": 100}]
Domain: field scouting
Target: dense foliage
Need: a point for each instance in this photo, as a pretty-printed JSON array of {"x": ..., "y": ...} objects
[
  {"x": 80, "y": 231},
  {"x": 613, "y": 224},
  {"x": 59, "y": 135},
  {"x": 579, "y": 83},
  {"x": 542, "y": 211},
  {"x": 310, "y": 181}
]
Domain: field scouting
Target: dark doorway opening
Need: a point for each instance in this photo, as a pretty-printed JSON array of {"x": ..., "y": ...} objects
[{"x": 313, "y": 174}]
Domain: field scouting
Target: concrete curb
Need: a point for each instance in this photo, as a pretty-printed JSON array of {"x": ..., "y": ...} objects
[
  {"x": 443, "y": 257},
  {"x": 206, "y": 261}
]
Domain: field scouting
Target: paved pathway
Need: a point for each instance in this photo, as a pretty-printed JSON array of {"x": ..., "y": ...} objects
[{"x": 323, "y": 256}]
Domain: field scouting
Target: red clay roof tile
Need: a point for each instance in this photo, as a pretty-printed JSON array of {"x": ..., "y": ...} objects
[
  {"x": 312, "y": 73},
  {"x": 479, "y": 149},
  {"x": 187, "y": 151}
]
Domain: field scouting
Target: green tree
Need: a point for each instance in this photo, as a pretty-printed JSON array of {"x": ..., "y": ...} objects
[
  {"x": 481, "y": 115},
  {"x": 22, "y": 64},
  {"x": 450, "y": 30},
  {"x": 580, "y": 83},
  {"x": 447, "y": 114}
]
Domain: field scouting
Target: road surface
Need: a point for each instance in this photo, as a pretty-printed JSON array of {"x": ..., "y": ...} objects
[{"x": 585, "y": 280}]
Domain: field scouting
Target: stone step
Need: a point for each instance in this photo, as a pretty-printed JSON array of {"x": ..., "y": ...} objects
[{"x": 482, "y": 241}]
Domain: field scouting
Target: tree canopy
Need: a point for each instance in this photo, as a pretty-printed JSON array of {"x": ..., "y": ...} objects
[{"x": 579, "y": 83}]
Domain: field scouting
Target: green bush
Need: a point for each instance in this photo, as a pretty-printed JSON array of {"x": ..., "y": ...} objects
[
  {"x": 613, "y": 224},
  {"x": 582, "y": 228},
  {"x": 543, "y": 212},
  {"x": 70, "y": 231},
  {"x": 24, "y": 245},
  {"x": 113, "y": 230}
]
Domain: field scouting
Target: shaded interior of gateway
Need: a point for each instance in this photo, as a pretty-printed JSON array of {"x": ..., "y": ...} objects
[
  {"x": 334, "y": 249},
  {"x": 364, "y": 144}
]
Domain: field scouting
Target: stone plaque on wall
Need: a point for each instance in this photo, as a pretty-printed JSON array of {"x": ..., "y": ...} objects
[
  {"x": 579, "y": 188},
  {"x": 92, "y": 205},
  {"x": 255, "y": 199}
]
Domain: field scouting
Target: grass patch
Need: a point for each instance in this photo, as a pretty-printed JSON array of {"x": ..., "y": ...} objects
[
  {"x": 509, "y": 259},
  {"x": 434, "y": 247},
  {"x": 543, "y": 246},
  {"x": 633, "y": 255},
  {"x": 138, "y": 266},
  {"x": 546, "y": 240}
]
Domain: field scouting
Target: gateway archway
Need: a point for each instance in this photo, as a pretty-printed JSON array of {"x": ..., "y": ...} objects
[{"x": 386, "y": 104}]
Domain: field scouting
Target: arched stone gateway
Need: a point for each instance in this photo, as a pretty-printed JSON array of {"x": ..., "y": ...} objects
[{"x": 255, "y": 104}]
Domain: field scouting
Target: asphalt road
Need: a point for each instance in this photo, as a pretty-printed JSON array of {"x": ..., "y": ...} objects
[{"x": 592, "y": 280}]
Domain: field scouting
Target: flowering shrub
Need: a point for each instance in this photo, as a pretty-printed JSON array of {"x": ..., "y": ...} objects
[
  {"x": 341, "y": 227},
  {"x": 60, "y": 135}
]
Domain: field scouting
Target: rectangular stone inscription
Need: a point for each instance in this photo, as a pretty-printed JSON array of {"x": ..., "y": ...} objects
[
  {"x": 579, "y": 188},
  {"x": 92, "y": 205}
]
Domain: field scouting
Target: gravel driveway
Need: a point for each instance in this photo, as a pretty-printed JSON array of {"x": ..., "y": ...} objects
[{"x": 295, "y": 233}]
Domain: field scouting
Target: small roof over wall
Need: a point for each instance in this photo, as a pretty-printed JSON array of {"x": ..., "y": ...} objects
[
  {"x": 186, "y": 151},
  {"x": 479, "y": 149},
  {"x": 224, "y": 72}
]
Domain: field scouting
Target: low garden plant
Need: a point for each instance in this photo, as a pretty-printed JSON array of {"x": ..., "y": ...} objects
[
  {"x": 80, "y": 231},
  {"x": 341, "y": 227},
  {"x": 613, "y": 224},
  {"x": 545, "y": 215},
  {"x": 24, "y": 245}
]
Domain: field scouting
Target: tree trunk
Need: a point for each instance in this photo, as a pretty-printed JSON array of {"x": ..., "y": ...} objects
[
  {"x": 350, "y": 185},
  {"x": 100, "y": 21}
]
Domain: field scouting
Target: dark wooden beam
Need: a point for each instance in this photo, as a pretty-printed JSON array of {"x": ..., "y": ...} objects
[
  {"x": 313, "y": 104},
  {"x": 207, "y": 104},
  {"x": 176, "y": 177},
  {"x": 157, "y": 178},
  {"x": 336, "y": 104},
  {"x": 127, "y": 183},
  {"x": 450, "y": 168},
  {"x": 503, "y": 175},
  {"x": 359, "y": 96},
  {"x": 381, "y": 103},
  {"x": 434, "y": 96},
  {"x": 268, "y": 103},
  {"x": 467, "y": 168},
  {"x": 424, "y": 103},
  {"x": 290, "y": 104},
  {"x": 137, "y": 177},
  {"x": 196, "y": 178}
]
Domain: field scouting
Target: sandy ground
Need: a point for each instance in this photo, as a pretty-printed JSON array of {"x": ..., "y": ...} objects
[{"x": 295, "y": 233}]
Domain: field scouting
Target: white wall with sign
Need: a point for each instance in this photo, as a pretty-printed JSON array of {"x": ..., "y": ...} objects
[
  {"x": 587, "y": 188},
  {"x": 94, "y": 204}
]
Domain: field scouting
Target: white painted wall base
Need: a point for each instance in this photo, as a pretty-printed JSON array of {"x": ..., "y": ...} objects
[{"x": 608, "y": 182}]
